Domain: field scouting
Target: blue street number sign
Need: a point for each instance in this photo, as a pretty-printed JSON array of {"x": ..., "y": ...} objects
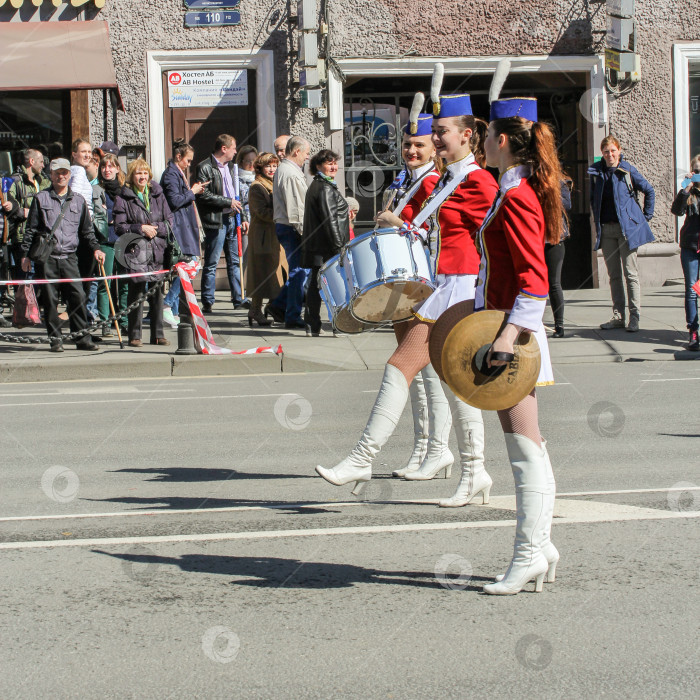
[
  {"x": 212, "y": 19},
  {"x": 211, "y": 4}
]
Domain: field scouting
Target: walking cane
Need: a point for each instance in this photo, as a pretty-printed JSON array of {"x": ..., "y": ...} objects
[{"x": 111, "y": 306}]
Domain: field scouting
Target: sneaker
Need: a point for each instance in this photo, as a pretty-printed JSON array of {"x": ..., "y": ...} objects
[
  {"x": 107, "y": 330},
  {"x": 4, "y": 323},
  {"x": 56, "y": 345},
  {"x": 633, "y": 325},
  {"x": 206, "y": 308},
  {"x": 169, "y": 318},
  {"x": 614, "y": 322},
  {"x": 693, "y": 341}
]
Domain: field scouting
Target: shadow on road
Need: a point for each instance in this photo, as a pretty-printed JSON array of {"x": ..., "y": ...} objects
[
  {"x": 185, "y": 474},
  {"x": 204, "y": 504},
  {"x": 275, "y": 572}
]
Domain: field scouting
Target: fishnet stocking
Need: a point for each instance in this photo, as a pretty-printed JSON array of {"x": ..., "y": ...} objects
[
  {"x": 412, "y": 354},
  {"x": 400, "y": 329},
  {"x": 522, "y": 419}
]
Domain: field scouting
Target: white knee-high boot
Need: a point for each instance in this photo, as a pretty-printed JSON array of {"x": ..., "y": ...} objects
[
  {"x": 387, "y": 410},
  {"x": 419, "y": 408},
  {"x": 438, "y": 456},
  {"x": 548, "y": 549},
  {"x": 469, "y": 426},
  {"x": 529, "y": 468},
  {"x": 550, "y": 552}
]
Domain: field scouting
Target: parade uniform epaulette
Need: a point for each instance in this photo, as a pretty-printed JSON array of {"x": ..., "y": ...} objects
[{"x": 513, "y": 273}]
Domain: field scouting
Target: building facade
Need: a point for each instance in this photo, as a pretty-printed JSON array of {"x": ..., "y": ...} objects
[{"x": 373, "y": 56}]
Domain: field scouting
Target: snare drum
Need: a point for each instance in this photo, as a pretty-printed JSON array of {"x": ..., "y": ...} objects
[
  {"x": 332, "y": 283},
  {"x": 388, "y": 274}
]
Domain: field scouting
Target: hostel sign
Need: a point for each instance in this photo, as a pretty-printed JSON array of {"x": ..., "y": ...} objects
[{"x": 207, "y": 88}]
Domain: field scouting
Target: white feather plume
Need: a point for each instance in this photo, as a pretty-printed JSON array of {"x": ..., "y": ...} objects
[
  {"x": 416, "y": 107},
  {"x": 499, "y": 78},
  {"x": 436, "y": 85}
]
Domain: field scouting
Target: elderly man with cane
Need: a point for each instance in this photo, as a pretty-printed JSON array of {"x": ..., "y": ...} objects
[{"x": 61, "y": 218}]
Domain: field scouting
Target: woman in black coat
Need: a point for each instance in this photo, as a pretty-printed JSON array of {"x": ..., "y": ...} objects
[
  {"x": 141, "y": 208},
  {"x": 326, "y": 229},
  {"x": 180, "y": 197}
]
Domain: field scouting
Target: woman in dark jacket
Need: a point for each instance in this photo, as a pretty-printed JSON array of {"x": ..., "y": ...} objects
[
  {"x": 111, "y": 180},
  {"x": 180, "y": 197},
  {"x": 141, "y": 208},
  {"x": 326, "y": 229},
  {"x": 687, "y": 203}
]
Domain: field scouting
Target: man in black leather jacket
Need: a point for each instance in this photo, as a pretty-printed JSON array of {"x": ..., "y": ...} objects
[{"x": 218, "y": 207}]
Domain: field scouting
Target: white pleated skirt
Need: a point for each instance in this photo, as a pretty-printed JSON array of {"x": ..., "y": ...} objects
[
  {"x": 451, "y": 290},
  {"x": 546, "y": 375}
]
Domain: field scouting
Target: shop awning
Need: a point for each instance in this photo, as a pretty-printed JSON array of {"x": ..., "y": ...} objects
[{"x": 57, "y": 56}]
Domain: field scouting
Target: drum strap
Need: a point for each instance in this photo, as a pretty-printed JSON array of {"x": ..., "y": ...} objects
[
  {"x": 438, "y": 197},
  {"x": 412, "y": 189}
]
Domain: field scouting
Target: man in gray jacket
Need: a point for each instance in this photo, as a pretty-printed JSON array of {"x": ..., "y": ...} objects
[
  {"x": 288, "y": 198},
  {"x": 75, "y": 227}
]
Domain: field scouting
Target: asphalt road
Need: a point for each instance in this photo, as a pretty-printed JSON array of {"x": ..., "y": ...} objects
[{"x": 169, "y": 539}]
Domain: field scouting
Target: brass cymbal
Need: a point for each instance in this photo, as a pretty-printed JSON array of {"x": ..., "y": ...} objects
[
  {"x": 464, "y": 366},
  {"x": 441, "y": 329}
]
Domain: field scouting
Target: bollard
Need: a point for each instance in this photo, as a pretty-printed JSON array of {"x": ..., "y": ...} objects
[{"x": 185, "y": 340}]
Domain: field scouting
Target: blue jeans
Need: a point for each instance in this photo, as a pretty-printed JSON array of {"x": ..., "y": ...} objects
[
  {"x": 92, "y": 300},
  {"x": 172, "y": 298},
  {"x": 690, "y": 262},
  {"x": 216, "y": 240},
  {"x": 291, "y": 298}
]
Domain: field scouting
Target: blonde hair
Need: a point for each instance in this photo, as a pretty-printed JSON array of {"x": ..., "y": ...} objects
[{"x": 134, "y": 167}]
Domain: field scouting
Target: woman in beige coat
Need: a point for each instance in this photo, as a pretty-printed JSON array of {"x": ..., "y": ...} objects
[{"x": 267, "y": 264}]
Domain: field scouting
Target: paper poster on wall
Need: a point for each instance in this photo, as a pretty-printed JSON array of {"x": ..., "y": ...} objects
[{"x": 207, "y": 88}]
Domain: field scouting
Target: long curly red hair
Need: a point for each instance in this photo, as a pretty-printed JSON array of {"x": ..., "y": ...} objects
[{"x": 533, "y": 143}]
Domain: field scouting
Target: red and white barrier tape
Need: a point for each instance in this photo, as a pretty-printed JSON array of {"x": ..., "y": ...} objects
[
  {"x": 6, "y": 283},
  {"x": 204, "y": 341}
]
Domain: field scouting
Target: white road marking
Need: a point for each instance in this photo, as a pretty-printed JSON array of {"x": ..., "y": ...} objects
[
  {"x": 328, "y": 504},
  {"x": 144, "y": 399},
  {"x": 596, "y": 517},
  {"x": 675, "y": 379},
  {"x": 97, "y": 390}
]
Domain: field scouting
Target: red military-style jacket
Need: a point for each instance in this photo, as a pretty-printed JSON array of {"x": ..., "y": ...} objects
[
  {"x": 513, "y": 273},
  {"x": 458, "y": 217}
]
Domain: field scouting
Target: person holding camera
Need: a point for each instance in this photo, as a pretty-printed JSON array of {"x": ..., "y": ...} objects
[
  {"x": 687, "y": 203},
  {"x": 61, "y": 218}
]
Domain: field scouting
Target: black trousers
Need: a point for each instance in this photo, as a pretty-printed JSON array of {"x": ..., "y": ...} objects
[
  {"x": 155, "y": 311},
  {"x": 554, "y": 257},
  {"x": 312, "y": 317},
  {"x": 72, "y": 292}
]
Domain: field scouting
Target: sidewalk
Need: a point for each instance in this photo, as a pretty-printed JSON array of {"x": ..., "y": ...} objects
[{"x": 662, "y": 337}]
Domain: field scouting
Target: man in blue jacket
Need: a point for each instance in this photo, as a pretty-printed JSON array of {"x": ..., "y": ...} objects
[{"x": 621, "y": 227}]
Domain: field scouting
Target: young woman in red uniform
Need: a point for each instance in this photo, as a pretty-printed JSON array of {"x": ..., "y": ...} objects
[
  {"x": 453, "y": 211},
  {"x": 513, "y": 278},
  {"x": 431, "y": 412}
]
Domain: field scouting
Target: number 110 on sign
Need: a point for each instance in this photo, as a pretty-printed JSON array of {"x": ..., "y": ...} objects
[{"x": 212, "y": 19}]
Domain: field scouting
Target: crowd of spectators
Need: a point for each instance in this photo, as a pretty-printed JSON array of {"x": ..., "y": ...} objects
[{"x": 276, "y": 219}]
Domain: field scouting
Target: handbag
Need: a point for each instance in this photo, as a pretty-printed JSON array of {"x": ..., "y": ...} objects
[
  {"x": 43, "y": 244},
  {"x": 26, "y": 311},
  {"x": 173, "y": 253}
]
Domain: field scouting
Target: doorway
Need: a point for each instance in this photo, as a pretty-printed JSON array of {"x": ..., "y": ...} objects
[
  {"x": 200, "y": 126},
  {"x": 376, "y": 108}
]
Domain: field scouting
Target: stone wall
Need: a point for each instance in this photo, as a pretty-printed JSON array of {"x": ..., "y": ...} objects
[{"x": 642, "y": 119}]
